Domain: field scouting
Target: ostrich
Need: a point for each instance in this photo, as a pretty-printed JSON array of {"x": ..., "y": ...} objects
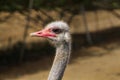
[{"x": 58, "y": 33}]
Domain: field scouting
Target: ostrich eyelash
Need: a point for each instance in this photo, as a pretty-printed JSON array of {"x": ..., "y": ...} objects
[{"x": 57, "y": 31}]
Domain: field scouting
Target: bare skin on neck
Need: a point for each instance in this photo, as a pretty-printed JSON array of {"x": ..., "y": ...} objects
[{"x": 60, "y": 62}]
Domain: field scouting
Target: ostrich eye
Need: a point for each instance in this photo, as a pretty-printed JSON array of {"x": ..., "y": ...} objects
[{"x": 57, "y": 31}]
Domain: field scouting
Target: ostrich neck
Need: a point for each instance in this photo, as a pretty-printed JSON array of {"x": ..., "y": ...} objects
[{"x": 60, "y": 61}]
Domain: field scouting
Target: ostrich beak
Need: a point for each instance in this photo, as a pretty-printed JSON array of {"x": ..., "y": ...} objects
[{"x": 43, "y": 33}]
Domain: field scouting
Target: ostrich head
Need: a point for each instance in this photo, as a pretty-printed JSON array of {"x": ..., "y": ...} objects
[{"x": 57, "y": 32}]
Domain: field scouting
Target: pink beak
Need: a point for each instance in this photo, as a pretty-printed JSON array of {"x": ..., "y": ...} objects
[{"x": 43, "y": 33}]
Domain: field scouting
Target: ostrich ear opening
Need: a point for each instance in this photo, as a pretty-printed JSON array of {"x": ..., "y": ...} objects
[{"x": 67, "y": 37}]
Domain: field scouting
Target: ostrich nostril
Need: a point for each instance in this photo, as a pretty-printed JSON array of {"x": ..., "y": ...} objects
[{"x": 39, "y": 32}]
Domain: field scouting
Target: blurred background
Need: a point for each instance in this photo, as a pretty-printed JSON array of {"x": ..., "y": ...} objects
[{"x": 95, "y": 29}]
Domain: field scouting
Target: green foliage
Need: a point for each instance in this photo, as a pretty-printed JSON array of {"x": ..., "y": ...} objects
[
  {"x": 12, "y": 5},
  {"x": 116, "y": 5}
]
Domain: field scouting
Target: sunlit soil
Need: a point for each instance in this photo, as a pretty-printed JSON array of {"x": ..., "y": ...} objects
[{"x": 98, "y": 63}]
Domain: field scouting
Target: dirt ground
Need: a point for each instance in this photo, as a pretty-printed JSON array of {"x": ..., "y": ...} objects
[
  {"x": 97, "y": 62},
  {"x": 12, "y": 24}
]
